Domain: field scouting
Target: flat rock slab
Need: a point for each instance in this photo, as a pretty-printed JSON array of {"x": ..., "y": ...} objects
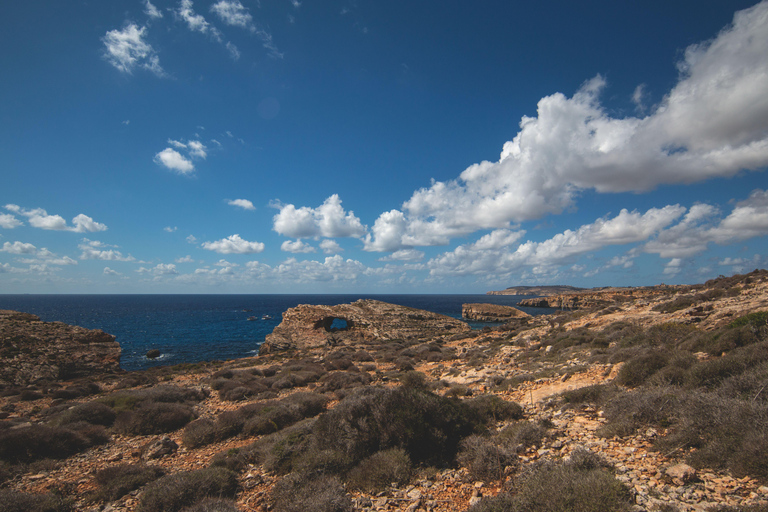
[{"x": 307, "y": 326}]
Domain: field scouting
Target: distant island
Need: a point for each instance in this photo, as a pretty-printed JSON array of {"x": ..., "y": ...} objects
[{"x": 541, "y": 291}]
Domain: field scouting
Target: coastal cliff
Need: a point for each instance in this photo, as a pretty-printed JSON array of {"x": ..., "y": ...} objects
[
  {"x": 32, "y": 350},
  {"x": 491, "y": 313},
  {"x": 657, "y": 401},
  {"x": 540, "y": 291},
  {"x": 596, "y": 298},
  {"x": 308, "y": 326}
]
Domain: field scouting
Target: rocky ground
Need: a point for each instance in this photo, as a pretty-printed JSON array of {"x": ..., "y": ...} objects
[{"x": 530, "y": 365}]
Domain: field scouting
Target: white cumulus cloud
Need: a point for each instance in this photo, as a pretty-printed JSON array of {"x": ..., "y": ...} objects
[
  {"x": 39, "y": 218},
  {"x": 234, "y": 245},
  {"x": 18, "y": 248},
  {"x": 296, "y": 247},
  {"x": 8, "y": 221},
  {"x": 328, "y": 220},
  {"x": 245, "y": 204},
  {"x": 175, "y": 161},
  {"x": 330, "y": 246},
  {"x": 95, "y": 250},
  {"x": 713, "y": 123}
]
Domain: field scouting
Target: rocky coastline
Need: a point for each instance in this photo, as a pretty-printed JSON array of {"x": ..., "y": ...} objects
[{"x": 654, "y": 398}]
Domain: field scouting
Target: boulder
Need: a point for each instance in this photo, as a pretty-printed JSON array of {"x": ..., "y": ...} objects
[
  {"x": 307, "y": 326},
  {"x": 491, "y": 312},
  {"x": 33, "y": 350}
]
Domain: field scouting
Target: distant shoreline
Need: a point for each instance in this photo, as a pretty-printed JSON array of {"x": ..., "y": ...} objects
[{"x": 539, "y": 291}]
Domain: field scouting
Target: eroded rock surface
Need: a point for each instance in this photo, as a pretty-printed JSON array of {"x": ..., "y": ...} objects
[
  {"x": 491, "y": 312},
  {"x": 33, "y": 350},
  {"x": 307, "y": 326},
  {"x": 597, "y": 298}
]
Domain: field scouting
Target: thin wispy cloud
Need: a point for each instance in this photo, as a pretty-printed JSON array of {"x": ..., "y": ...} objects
[{"x": 127, "y": 49}]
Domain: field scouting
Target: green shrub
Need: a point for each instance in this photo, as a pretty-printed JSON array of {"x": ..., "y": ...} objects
[
  {"x": 15, "y": 501},
  {"x": 171, "y": 493},
  {"x": 378, "y": 471},
  {"x": 117, "y": 481},
  {"x": 301, "y": 493}
]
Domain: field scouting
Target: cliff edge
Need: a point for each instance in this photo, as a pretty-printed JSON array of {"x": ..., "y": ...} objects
[
  {"x": 307, "y": 326},
  {"x": 32, "y": 350}
]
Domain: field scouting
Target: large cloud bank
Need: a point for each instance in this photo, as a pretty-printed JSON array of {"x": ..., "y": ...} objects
[{"x": 713, "y": 123}]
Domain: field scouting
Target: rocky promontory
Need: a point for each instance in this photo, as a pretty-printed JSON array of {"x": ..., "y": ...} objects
[
  {"x": 596, "y": 297},
  {"x": 307, "y": 326},
  {"x": 491, "y": 313},
  {"x": 541, "y": 291},
  {"x": 32, "y": 350}
]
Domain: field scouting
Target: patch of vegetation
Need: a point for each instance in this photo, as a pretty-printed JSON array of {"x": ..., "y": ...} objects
[
  {"x": 485, "y": 458},
  {"x": 380, "y": 470},
  {"x": 582, "y": 483},
  {"x": 172, "y": 493},
  {"x": 35, "y": 442},
  {"x": 302, "y": 492},
  {"x": 117, "y": 481},
  {"x": 14, "y": 501}
]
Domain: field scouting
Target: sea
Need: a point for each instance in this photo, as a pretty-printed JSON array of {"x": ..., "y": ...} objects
[{"x": 195, "y": 328}]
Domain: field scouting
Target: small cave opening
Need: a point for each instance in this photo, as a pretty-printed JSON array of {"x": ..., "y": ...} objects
[{"x": 333, "y": 324}]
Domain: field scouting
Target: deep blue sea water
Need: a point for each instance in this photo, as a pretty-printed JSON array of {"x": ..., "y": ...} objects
[{"x": 193, "y": 328}]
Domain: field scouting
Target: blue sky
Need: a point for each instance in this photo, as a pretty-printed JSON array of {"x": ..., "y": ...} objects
[{"x": 299, "y": 146}]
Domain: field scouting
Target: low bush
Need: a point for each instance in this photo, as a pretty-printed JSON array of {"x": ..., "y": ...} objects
[
  {"x": 15, "y": 501},
  {"x": 95, "y": 413},
  {"x": 213, "y": 505},
  {"x": 42, "y": 442},
  {"x": 200, "y": 432},
  {"x": 380, "y": 470},
  {"x": 154, "y": 418},
  {"x": 485, "y": 458},
  {"x": 492, "y": 408},
  {"x": 300, "y": 493},
  {"x": 628, "y": 411},
  {"x": 427, "y": 426},
  {"x": 336, "y": 381},
  {"x": 522, "y": 435},
  {"x": 563, "y": 486},
  {"x": 117, "y": 481},
  {"x": 172, "y": 493}
]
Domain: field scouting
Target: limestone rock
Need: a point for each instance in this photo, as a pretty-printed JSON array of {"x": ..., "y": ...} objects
[
  {"x": 682, "y": 473},
  {"x": 158, "y": 448},
  {"x": 307, "y": 326},
  {"x": 33, "y": 350},
  {"x": 491, "y": 312}
]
